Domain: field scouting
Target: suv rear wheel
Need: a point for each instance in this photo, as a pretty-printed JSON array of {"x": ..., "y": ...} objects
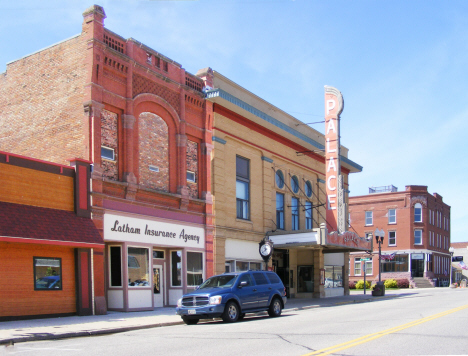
[
  {"x": 231, "y": 313},
  {"x": 275, "y": 308}
]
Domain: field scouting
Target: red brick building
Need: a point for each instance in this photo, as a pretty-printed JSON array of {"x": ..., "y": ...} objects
[
  {"x": 51, "y": 253},
  {"x": 142, "y": 121},
  {"x": 417, "y": 235}
]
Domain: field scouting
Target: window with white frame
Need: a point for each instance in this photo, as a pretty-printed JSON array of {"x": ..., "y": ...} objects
[
  {"x": 392, "y": 216},
  {"x": 194, "y": 268},
  {"x": 369, "y": 218},
  {"x": 242, "y": 188},
  {"x": 417, "y": 212},
  {"x": 107, "y": 153},
  {"x": 138, "y": 267},
  {"x": 357, "y": 266},
  {"x": 369, "y": 271},
  {"x": 418, "y": 237},
  {"x": 392, "y": 238},
  {"x": 176, "y": 268}
]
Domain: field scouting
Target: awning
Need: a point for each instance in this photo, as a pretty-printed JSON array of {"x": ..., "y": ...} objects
[
  {"x": 30, "y": 224},
  {"x": 287, "y": 240}
]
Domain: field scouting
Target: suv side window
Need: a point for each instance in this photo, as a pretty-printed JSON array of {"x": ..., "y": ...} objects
[
  {"x": 260, "y": 278},
  {"x": 246, "y": 278},
  {"x": 273, "y": 278}
]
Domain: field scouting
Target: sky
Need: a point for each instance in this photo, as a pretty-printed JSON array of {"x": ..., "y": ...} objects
[{"x": 400, "y": 65}]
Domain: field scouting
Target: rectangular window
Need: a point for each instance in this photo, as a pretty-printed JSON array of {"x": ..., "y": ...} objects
[
  {"x": 176, "y": 268},
  {"x": 392, "y": 216},
  {"x": 242, "y": 266},
  {"x": 115, "y": 266},
  {"x": 279, "y": 211},
  {"x": 194, "y": 268},
  {"x": 47, "y": 273},
  {"x": 158, "y": 254},
  {"x": 107, "y": 153},
  {"x": 417, "y": 212},
  {"x": 357, "y": 266},
  {"x": 392, "y": 238},
  {"x": 308, "y": 215},
  {"x": 294, "y": 213},
  {"x": 369, "y": 218},
  {"x": 418, "y": 237},
  {"x": 333, "y": 276},
  {"x": 398, "y": 264},
  {"x": 430, "y": 217},
  {"x": 191, "y": 177},
  {"x": 369, "y": 271},
  {"x": 242, "y": 188},
  {"x": 138, "y": 267}
]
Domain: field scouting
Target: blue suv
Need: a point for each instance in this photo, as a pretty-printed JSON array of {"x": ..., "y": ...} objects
[{"x": 231, "y": 295}]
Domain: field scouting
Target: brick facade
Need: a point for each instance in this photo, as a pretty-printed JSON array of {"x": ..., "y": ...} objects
[
  {"x": 401, "y": 235},
  {"x": 192, "y": 166},
  {"x": 109, "y": 138}
]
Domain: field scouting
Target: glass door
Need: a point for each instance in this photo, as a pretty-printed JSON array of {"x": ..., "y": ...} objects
[{"x": 158, "y": 286}]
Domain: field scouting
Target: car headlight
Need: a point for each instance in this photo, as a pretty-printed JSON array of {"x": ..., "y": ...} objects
[
  {"x": 179, "y": 303},
  {"x": 216, "y": 300}
]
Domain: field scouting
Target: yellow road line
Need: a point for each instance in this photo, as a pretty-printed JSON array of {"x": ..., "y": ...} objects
[{"x": 370, "y": 337}]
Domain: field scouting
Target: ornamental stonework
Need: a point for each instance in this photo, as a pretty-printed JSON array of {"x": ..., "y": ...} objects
[
  {"x": 109, "y": 139},
  {"x": 419, "y": 199},
  {"x": 192, "y": 166},
  {"x": 154, "y": 152}
]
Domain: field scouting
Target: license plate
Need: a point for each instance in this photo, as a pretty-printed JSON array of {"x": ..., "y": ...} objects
[{"x": 192, "y": 311}]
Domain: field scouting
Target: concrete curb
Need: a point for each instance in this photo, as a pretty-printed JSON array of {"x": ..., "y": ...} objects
[{"x": 68, "y": 335}]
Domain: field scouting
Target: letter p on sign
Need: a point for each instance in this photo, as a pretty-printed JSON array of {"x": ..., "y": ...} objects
[{"x": 330, "y": 105}]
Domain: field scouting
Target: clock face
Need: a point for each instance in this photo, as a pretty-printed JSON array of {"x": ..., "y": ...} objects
[{"x": 265, "y": 250}]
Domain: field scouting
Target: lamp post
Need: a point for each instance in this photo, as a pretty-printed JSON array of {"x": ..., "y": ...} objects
[
  {"x": 379, "y": 238},
  {"x": 451, "y": 250}
]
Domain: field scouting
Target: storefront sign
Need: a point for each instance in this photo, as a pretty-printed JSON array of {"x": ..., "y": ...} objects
[
  {"x": 417, "y": 256},
  {"x": 333, "y": 109},
  {"x": 123, "y": 228},
  {"x": 348, "y": 240}
]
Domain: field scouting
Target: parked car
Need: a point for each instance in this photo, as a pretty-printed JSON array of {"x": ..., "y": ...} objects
[
  {"x": 49, "y": 282},
  {"x": 232, "y": 295}
]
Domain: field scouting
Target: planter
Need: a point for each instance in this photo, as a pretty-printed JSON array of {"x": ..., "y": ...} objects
[{"x": 379, "y": 290}]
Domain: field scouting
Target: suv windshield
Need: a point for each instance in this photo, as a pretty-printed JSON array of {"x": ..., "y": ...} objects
[{"x": 219, "y": 281}]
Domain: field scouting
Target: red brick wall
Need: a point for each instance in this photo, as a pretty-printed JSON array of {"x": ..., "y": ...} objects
[
  {"x": 109, "y": 139},
  {"x": 154, "y": 150},
  {"x": 41, "y": 103}
]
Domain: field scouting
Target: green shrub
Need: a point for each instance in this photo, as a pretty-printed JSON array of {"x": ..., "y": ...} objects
[
  {"x": 360, "y": 284},
  {"x": 391, "y": 283}
]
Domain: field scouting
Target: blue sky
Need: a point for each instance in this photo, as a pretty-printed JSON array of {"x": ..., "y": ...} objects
[{"x": 401, "y": 66}]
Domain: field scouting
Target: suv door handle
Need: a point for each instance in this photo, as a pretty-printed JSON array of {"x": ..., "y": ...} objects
[
  {"x": 255, "y": 290},
  {"x": 269, "y": 288}
]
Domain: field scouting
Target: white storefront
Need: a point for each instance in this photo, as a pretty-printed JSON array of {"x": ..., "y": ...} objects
[{"x": 151, "y": 262}]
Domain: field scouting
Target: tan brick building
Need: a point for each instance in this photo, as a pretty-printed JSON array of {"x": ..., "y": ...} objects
[
  {"x": 141, "y": 119},
  {"x": 417, "y": 235},
  {"x": 268, "y": 177}
]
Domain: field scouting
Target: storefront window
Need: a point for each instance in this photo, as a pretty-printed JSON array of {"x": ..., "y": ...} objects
[
  {"x": 242, "y": 266},
  {"x": 47, "y": 273},
  {"x": 398, "y": 264},
  {"x": 305, "y": 281},
  {"x": 176, "y": 268},
  {"x": 138, "y": 267},
  {"x": 333, "y": 276},
  {"x": 115, "y": 266},
  {"x": 194, "y": 268}
]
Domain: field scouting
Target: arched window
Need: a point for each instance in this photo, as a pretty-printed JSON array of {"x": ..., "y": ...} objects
[
  {"x": 417, "y": 212},
  {"x": 279, "y": 179},
  {"x": 294, "y": 184}
]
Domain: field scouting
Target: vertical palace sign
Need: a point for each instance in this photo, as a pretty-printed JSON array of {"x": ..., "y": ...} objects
[{"x": 336, "y": 209}]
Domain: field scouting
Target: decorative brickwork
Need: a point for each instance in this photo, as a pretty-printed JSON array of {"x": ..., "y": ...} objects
[
  {"x": 143, "y": 85},
  {"x": 109, "y": 139},
  {"x": 154, "y": 152},
  {"x": 192, "y": 166}
]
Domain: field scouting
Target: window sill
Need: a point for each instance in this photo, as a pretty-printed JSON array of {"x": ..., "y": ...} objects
[{"x": 244, "y": 220}]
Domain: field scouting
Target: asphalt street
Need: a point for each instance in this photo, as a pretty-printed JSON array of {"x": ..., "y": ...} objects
[{"x": 432, "y": 322}]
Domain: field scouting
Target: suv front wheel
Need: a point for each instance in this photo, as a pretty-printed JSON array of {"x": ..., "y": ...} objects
[
  {"x": 275, "y": 308},
  {"x": 231, "y": 313}
]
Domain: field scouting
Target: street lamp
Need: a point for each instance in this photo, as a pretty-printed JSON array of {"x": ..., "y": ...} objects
[
  {"x": 451, "y": 250},
  {"x": 379, "y": 238}
]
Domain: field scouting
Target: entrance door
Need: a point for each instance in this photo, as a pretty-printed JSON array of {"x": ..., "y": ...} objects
[
  {"x": 158, "y": 286},
  {"x": 417, "y": 268}
]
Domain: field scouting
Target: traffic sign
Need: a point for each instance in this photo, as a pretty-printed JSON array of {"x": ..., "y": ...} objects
[{"x": 365, "y": 259}]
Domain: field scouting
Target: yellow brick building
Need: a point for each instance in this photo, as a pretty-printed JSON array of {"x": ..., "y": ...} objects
[{"x": 268, "y": 178}]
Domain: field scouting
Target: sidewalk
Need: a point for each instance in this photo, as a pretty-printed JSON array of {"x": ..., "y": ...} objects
[{"x": 114, "y": 322}]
